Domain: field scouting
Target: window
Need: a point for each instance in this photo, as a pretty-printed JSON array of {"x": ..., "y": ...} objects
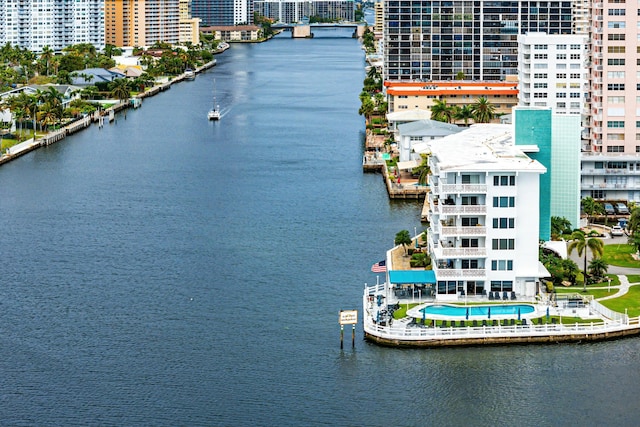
[
  {"x": 615, "y": 61},
  {"x": 540, "y": 95},
  {"x": 615, "y": 136},
  {"x": 541, "y": 75},
  {"x": 615, "y": 74},
  {"x": 504, "y": 222},
  {"x": 561, "y": 95},
  {"x": 616, "y": 36},
  {"x": 540, "y": 56},
  {"x": 470, "y": 179},
  {"x": 615, "y": 49},
  {"x": 539, "y": 85},
  {"x": 540, "y": 46},
  {"x": 561, "y": 47},
  {"x": 504, "y": 180},
  {"x": 615, "y": 149},
  {"x": 469, "y": 243},
  {"x": 615, "y": 123},
  {"x": 503, "y": 244},
  {"x": 617, "y": 12},
  {"x": 469, "y": 263},
  {"x": 615, "y": 86},
  {"x": 540, "y": 66},
  {"x": 616, "y": 24},
  {"x": 561, "y": 105},
  {"x": 469, "y": 222},
  {"x": 504, "y": 202},
  {"x": 561, "y": 56},
  {"x": 502, "y": 265},
  {"x": 615, "y": 99},
  {"x": 575, "y": 47}
]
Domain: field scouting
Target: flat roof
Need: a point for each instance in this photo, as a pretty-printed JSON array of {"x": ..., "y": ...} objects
[
  {"x": 411, "y": 276},
  {"x": 483, "y": 147}
]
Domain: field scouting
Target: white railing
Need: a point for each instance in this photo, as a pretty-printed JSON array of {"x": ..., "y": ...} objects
[
  {"x": 464, "y": 231},
  {"x": 441, "y": 252},
  {"x": 463, "y": 188},
  {"x": 463, "y": 209},
  {"x": 414, "y": 332},
  {"x": 459, "y": 272}
]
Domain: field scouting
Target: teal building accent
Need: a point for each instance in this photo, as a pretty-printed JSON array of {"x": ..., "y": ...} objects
[{"x": 557, "y": 137}]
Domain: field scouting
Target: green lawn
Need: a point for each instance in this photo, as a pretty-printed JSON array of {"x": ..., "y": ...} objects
[
  {"x": 629, "y": 301},
  {"x": 620, "y": 255},
  {"x": 633, "y": 278}
]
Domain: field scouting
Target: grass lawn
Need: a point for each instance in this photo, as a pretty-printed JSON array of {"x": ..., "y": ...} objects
[
  {"x": 620, "y": 255},
  {"x": 597, "y": 293},
  {"x": 629, "y": 301},
  {"x": 633, "y": 278}
]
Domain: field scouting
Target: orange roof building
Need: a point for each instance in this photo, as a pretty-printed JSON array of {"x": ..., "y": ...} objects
[{"x": 404, "y": 96}]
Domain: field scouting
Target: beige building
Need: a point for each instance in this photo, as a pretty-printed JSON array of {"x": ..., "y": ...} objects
[
  {"x": 379, "y": 18},
  {"x": 141, "y": 22},
  {"x": 189, "y": 27},
  {"x": 406, "y": 96},
  {"x": 235, "y": 33}
]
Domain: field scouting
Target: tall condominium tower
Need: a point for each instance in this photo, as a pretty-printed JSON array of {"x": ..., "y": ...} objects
[
  {"x": 141, "y": 22},
  {"x": 441, "y": 40},
  {"x": 552, "y": 72},
  {"x": 223, "y": 12},
  {"x": 54, "y": 23}
]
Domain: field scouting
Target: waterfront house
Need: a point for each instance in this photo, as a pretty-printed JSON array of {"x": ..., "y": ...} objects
[
  {"x": 420, "y": 132},
  {"x": 91, "y": 76}
]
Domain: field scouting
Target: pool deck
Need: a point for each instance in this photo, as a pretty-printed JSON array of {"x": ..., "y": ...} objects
[{"x": 410, "y": 332}]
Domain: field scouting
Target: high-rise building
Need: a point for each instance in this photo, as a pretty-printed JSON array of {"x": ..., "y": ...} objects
[
  {"x": 552, "y": 72},
  {"x": 293, "y": 11},
  {"x": 223, "y": 12},
  {"x": 434, "y": 40},
  {"x": 141, "y": 22},
  {"x": 54, "y": 23},
  {"x": 611, "y": 164}
]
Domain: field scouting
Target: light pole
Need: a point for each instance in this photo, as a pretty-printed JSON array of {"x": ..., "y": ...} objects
[{"x": 609, "y": 280}]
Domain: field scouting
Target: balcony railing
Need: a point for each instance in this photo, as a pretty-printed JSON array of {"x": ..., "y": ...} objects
[
  {"x": 463, "y": 231},
  {"x": 468, "y": 273},
  {"x": 462, "y": 209},
  {"x": 463, "y": 188}
]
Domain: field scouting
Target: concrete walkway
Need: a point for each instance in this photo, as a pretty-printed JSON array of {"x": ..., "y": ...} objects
[{"x": 623, "y": 289}]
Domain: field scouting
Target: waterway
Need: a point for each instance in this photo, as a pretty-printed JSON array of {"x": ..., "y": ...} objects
[{"x": 168, "y": 270}]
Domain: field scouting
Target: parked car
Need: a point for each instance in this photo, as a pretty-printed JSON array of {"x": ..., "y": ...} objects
[
  {"x": 622, "y": 209},
  {"x": 616, "y": 230},
  {"x": 608, "y": 209}
]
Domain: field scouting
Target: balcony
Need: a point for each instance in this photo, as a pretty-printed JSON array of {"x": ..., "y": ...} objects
[
  {"x": 464, "y": 188},
  {"x": 470, "y": 273},
  {"x": 462, "y": 209},
  {"x": 479, "y": 230}
]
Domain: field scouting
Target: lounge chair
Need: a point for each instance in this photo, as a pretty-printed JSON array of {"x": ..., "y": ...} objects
[
  {"x": 462, "y": 292},
  {"x": 484, "y": 322},
  {"x": 495, "y": 322},
  {"x": 443, "y": 324},
  {"x": 491, "y": 295},
  {"x": 524, "y": 322},
  {"x": 462, "y": 323},
  {"x": 484, "y": 292},
  {"x": 513, "y": 296},
  {"x": 496, "y": 295},
  {"x": 475, "y": 323},
  {"x": 513, "y": 322},
  {"x": 453, "y": 323},
  {"x": 505, "y": 296}
]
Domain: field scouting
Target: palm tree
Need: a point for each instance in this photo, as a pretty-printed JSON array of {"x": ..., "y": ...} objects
[
  {"x": 591, "y": 207},
  {"x": 442, "y": 112},
  {"x": 634, "y": 240},
  {"x": 46, "y": 56},
  {"x": 423, "y": 170},
  {"x": 120, "y": 89},
  {"x": 464, "y": 113},
  {"x": 634, "y": 220},
  {"x": 47, "y": 115},
  {"x": 403, "y": 238},
  {"x": 597, "y": 267},
  {"x": 580, "y": 243},
  {"x": 483, "y": 110}
]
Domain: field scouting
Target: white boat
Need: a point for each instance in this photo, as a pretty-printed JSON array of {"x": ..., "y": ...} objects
[{"x": 214, "y": 113}]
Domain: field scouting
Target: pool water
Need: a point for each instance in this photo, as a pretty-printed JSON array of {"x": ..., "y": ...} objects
[{"x": 478, "y": 310}]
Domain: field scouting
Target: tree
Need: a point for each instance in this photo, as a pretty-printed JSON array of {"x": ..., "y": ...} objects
[
  {"x": 464, "y": 113},
  {"x": 590, "y": 207},
  {"x": 460, "y": 75},
  {"x": 483, "y": 110},
  {"x": 403, "y": 238},
  {"x": 441, "y": 111},
  {"x": 597, "y": 267},
  {"x": 634, "y": 221},
  {"x": 580, "y": 243},
  {"x": 559, "y": 225},
  {"x": 423, "y": 170},
  {"x": 46, "y": 56},
  {"x": 119, "y": 89},
  {"x": 634, "y": 240}
]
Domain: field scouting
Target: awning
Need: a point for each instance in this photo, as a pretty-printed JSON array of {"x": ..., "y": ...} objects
[
  {"x": 412, "y": 276},
  {"x": 409, "y": 165}
]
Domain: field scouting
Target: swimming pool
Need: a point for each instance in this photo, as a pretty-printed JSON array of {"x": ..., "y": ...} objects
[{"x": 507, "y": 310}]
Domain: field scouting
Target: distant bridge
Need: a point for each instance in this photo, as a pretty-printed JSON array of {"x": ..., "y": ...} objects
[{"x": 304, "y": 30}]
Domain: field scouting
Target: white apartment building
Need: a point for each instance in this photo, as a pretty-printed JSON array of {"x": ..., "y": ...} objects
[
  {"x": 55, "y": 23},
  {"x": 484, "y": 214},
  {"x": 552, "y": 72}
]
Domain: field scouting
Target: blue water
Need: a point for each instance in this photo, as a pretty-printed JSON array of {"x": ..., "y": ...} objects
[
  {"x": 479, "y": 310},
  {"x": 171, "y": 271}
]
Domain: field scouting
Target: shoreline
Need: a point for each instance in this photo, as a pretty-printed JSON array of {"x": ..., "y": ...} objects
[{"x": 135, "y": 101}]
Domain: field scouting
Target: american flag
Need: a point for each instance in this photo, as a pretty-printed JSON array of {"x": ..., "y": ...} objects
[{"x": 379, "y": 267}]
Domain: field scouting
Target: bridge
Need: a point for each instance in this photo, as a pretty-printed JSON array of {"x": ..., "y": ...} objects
[{"x": 304, "y": 30}]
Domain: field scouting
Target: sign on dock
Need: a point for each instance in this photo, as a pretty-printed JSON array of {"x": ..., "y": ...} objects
[{"x": 348, "y": 317}]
